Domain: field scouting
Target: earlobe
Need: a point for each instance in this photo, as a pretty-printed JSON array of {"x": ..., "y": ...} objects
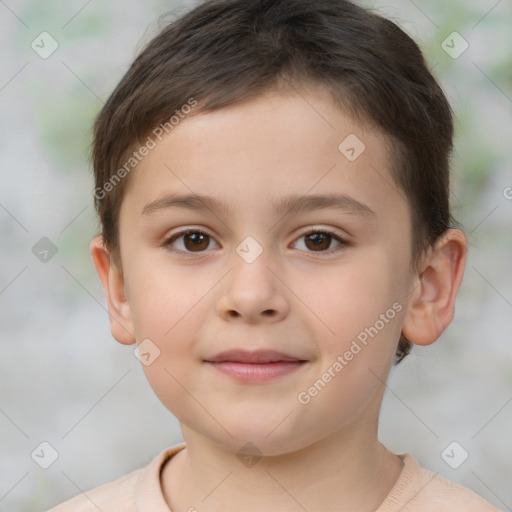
[
  {"x": 111, "y": 277},
  {"x": 431, "y": 304}
]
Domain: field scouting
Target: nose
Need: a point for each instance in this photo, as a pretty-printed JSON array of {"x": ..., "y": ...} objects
[{"x": 253, "y": 292}]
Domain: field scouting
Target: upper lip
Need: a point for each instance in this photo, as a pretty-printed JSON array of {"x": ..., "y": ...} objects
[{"x": 255, "y": 357}]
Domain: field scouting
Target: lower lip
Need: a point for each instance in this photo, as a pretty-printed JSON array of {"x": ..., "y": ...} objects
[{"x": 248, "y": 372}]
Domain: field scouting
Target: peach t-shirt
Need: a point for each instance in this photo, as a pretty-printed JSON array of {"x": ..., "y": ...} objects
[{"x": 416, "y": 490}]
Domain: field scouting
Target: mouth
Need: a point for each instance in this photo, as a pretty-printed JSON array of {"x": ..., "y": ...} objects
[
  {"x": 257, "y": 366},
  {"x": 254, "y": 357}
]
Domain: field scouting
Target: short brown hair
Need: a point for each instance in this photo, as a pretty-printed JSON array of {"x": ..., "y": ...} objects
[{"x": 225, "y": 51}]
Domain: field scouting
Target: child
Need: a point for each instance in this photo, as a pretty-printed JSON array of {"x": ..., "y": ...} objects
[{"x": 246, "y": 136}]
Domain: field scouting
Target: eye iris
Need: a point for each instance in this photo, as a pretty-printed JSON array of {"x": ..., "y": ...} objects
[
  {"x": 196, "y": 239},
  {"x": 318, "y": 240}
]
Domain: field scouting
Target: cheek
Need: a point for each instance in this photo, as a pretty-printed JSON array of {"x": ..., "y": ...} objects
[
  {"x": 173, "y": 373},
  {"x": 165, "y": 311},
  {"x": 164, "y": 301},
  {"x": 362, "y": 316},
  {"x": 351, "y": 297}
]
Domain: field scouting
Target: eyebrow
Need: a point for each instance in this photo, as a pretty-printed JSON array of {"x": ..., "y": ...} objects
[{"x": 291, "y": 204}]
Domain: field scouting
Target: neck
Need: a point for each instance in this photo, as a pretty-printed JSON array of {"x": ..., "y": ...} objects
[{"x": 349, "y": 469}]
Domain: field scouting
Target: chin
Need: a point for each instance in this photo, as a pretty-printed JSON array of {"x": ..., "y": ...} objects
[{"x": 260, "y": 438}]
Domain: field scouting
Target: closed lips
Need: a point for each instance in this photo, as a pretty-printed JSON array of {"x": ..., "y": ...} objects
[{"x": 257, "y": 357}]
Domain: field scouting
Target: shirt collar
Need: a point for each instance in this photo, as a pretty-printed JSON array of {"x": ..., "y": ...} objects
[{"x": 148, "y": 489}]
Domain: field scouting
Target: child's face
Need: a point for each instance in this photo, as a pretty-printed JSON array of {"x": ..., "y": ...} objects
[{"x": 307, "y": 300}]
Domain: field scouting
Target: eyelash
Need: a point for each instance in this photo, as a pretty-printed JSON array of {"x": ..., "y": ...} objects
[{"x": 191, "y": 254}]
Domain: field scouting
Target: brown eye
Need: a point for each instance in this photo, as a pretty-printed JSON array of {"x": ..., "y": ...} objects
[
  {"x": 195, "y": 241},
  {"x": 320, "y": 241},
  {"x": 191, "y": 241}
]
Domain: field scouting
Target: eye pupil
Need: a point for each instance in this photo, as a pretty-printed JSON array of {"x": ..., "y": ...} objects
[
  {"x": 196, "y": 239},
  {"x": 318, "y": 239}
]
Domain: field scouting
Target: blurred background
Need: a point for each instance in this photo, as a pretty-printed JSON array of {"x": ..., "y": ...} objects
[{"x": 65, "y": 381}]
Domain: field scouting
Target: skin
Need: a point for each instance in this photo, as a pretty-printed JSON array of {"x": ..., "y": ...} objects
[{"x": 292, "y": 298}]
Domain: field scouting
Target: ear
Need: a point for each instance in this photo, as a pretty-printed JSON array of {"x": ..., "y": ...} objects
[
  {"x": 111, "y": 276},
  {"x": 431, "y": 304}
]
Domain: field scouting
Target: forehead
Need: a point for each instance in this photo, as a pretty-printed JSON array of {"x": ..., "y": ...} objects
[{"x": 250, "y": 155}]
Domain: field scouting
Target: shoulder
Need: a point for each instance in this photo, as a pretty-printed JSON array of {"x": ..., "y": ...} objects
[
  {"x": 115, "y": 496},
  {"x": 125, "y": 494},
  {"x": 419, "y": 489},
  {"x": 449, "y": 496}
]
